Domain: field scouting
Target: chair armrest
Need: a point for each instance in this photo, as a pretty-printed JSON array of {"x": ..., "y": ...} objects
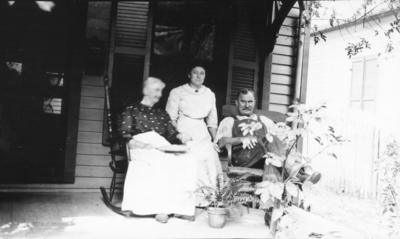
[
  {"x": 128, "y": 153},
  {"x": 229, "y": 150}
]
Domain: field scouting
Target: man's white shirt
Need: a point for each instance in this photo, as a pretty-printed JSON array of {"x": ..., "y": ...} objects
[{"x": 226, "y": 125}]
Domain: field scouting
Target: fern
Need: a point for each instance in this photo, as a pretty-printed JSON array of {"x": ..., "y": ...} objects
[{"x": 224, "y": 194}]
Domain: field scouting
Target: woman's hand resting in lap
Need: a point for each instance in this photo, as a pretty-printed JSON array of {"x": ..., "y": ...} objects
[
  {"x": 134, "y": 144},
  {"x": 184, "y": 138}
]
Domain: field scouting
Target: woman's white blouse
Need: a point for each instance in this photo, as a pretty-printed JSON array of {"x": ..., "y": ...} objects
[{"x": 185, "y": 101}]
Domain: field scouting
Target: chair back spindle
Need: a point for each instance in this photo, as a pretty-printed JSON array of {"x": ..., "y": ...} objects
[
  {"x": 116, "y": 147},
  {"x": 109, "y": 118}
]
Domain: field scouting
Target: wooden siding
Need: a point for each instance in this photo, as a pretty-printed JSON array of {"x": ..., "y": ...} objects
[
  {"x": 86, "y": 184},
  {"x": 92, "y": 170},
  {"x": 329, "y": 78},
  {"x": 283, "y": 67}
]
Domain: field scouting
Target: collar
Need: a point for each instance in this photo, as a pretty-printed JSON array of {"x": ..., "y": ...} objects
[
  {"x": 243, "y": 117},
  {"x": 194, "y": 91}
]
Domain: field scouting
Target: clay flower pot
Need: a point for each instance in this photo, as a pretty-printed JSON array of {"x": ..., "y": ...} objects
[{"x": 217, "y": 217}]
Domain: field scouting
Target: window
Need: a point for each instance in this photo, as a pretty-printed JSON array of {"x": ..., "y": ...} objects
[
  {"x": 364, "y": 83},
  {"x": 53, "y": 105}
]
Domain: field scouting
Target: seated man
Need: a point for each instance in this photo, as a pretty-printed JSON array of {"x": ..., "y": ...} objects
[
  {"x": 248, "y": 149},
  {"x": 157, "y": 183}
]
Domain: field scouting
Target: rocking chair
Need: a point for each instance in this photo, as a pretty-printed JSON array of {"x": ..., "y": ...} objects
[{"x": 117, "y": 145}]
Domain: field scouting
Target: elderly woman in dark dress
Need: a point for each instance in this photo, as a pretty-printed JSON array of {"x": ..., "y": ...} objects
[{"x": 157, "y": 183}]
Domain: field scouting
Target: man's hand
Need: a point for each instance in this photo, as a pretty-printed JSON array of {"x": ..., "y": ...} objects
[
  {"x": 249, "y": 142},
  {"x": 216, "y": 147},
  {"x": 184, "y": 138}
]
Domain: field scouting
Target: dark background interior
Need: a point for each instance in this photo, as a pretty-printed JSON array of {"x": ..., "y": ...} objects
[
  {"x": 32, "y": 142},
  {"x": 196, "y": 20}
]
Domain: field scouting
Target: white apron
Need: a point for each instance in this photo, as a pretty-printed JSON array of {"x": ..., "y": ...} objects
[
  {"x": 201, "y": 147},
  {"x": 158, "y": 182}
]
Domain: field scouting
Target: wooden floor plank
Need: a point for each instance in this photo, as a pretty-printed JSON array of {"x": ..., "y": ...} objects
[
  {"x": 80, "y": 182},
  {"x": 5, "y": 210}
]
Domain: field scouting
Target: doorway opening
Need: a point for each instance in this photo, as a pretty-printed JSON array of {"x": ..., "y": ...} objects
[{"x": 36, "y": 48}]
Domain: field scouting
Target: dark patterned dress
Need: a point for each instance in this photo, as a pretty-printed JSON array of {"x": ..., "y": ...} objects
[{"x": 139, "y": 118}]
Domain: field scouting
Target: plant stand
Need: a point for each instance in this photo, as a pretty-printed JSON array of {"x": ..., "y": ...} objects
[{"x": 217, "y": 217}]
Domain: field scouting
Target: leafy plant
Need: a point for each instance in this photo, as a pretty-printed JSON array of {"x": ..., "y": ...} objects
[
  {"x": 367, "y": 13},
  {"x": 389, "y": 163},
  {"x": 225, "y": 194},
  {"x": 354, "y": 48},
  {"x": 278, "y": 194}
]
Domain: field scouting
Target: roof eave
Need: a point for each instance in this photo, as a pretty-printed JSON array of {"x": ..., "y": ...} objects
[{"x": 384, "y": 14}]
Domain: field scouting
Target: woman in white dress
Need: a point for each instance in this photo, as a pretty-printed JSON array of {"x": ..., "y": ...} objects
[{"x": 192, "y": 109}]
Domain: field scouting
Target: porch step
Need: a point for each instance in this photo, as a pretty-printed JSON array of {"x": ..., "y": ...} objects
[{"x": 305, "y": 224}]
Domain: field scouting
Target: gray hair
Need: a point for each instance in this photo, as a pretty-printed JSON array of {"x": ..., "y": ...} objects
[
  {"x": 244, "y": 91},
  {"x": 152, "y": 80}
]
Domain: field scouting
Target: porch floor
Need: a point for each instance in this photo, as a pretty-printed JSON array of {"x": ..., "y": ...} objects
[{"x": 84, "y": 215}]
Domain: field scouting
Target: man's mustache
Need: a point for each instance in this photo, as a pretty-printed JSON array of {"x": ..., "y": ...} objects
[{"x": 247, "y": 108}]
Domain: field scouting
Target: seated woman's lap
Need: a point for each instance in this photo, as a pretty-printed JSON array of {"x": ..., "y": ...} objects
[{"x": 158, "y": 182}]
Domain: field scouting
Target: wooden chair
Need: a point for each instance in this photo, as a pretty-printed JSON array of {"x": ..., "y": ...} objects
[
  {"x": 232, "y": 111},
  {"x": 249, "y": 174},
  {"x": 117, "y": 144}
]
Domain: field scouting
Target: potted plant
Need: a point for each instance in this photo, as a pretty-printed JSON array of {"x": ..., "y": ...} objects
[{"x": 223, "y": 199}]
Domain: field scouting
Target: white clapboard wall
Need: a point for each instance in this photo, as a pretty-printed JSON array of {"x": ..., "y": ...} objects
[
  {"x": 244, "y": 57},
  {"x": 283, "y": 64}
]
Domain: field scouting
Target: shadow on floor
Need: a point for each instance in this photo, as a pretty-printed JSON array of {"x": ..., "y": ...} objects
[{"x": 85, "y": 215}]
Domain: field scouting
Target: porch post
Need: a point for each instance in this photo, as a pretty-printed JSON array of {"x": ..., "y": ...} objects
[{"x": 266, "y": 61}]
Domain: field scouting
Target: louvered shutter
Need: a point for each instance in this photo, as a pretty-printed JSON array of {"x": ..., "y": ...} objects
[
  {"x": 370, "y": 84},
  {"x": 130, "y": 47},
  {"x": 243, "y": 57},
  {"x": 364, "y": 83},
  {"x": 129, "y": 60},
  {"x": 356, "y": 84}
]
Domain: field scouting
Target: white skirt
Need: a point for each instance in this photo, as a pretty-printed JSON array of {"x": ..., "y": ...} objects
[
  {"x": 158, "y": 182},
  {"x": 201, "y": 147}
]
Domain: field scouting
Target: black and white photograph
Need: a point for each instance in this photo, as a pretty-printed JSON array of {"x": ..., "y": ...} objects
[{"x": 200, "y": 119}]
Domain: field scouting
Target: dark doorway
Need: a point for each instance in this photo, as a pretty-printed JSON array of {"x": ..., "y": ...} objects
[{"x": 34, "y": 98}]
